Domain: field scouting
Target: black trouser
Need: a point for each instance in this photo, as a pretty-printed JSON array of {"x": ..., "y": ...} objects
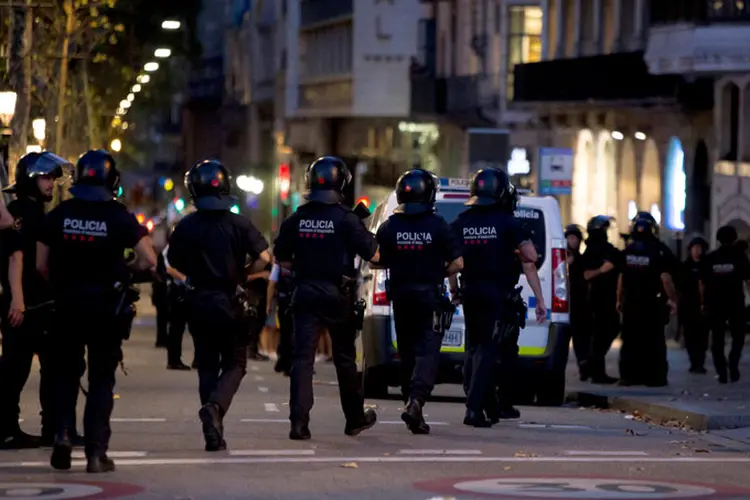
[
  {"x": 581, "y": 325},
  {"x": 418, "y": 348},
  {"x": 286, "y": 343},
  {"x": 19, "y": 346},
  {"x": 256, "y": 326},
  {"x": 643, "y": 354},
  {"x": 695, "y": 330},
  {"x": 720, "y": 321},
  {"x": 221, "y": 356},
  {"x": 162, "y": 325},
  {"x": 176, "y": 331},
  {"x": 487, "y": 367},
  {"x": 72, "y": 336},
  {"x": 307, "y": 326},
  {"x": 605, "y": 326}
]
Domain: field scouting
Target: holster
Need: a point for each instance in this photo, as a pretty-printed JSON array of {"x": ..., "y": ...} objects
[
  {"x": 125, "y": 312},
  {"x": 348, "y": 289},
  {"x": 443, "y": 315},
  {"x": 508, "y": 327},
  {"x": 248, "y": 310}
]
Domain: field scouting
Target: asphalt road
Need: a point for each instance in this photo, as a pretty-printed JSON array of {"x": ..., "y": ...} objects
[{"x": 548, "y": 453}]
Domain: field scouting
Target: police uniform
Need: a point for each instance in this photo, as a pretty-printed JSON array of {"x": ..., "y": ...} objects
[
  {"x": 177, "y": 316},
  {"x": 692, "y": 319},
  {"x": 490, "y": 236},
  {"x": 22, "y": 341},
  {"x": 210, "y": 247},
  {"x": 604, "y": 322},
  {"x": 160, "y": 301},
  {"x": 416, "y": 246},
  {"x": 320, "y": 241},
  {"x": 646, "y": 264},
  {"x": 722, "y": 275},
  {"x": 578, "y": 303},
  {"x": 86, "y": 238},
  {"x": 284, "y": 289}
]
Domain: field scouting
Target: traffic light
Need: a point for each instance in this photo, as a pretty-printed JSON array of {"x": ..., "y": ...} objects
[
  {"x": 179, "y": 204},
  {"x": 120, "y": 192},
  {"x": 235, "y": 209},
  {"x": 285, "y": 181},
  {"x": 366, "y": 202}
]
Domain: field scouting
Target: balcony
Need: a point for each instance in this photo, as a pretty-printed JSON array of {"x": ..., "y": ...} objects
[
  {"x": 316, "y": 12},
  {"x": 698, "y": 36},
  {"x": 472, "y": 99},
  {"x": 621, "y": 77}
]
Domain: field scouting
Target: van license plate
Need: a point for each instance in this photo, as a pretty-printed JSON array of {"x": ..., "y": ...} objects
[{"x": 454, "y": 338}]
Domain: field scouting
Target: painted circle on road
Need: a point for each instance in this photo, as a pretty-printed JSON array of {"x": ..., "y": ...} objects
[
  {"x": 576, "y": 488},
  {"x": 65, "y": 491}
]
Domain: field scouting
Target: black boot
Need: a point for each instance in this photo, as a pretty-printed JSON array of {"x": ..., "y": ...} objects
[
  {"x": 213, "y": 428},
  {"x": 62, "y": 452},
  {"x": 474, "y": 419},
  {"x": 299, "y": 432},
  {"x": 734, "y": 373},
  {"x": 413, "y": 418},
  {"x": 356, "y": 428},
  {"x": 99, "y": 464}
]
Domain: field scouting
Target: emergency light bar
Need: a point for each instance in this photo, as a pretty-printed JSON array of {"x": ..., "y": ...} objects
[{"x": 458, "y": 185}]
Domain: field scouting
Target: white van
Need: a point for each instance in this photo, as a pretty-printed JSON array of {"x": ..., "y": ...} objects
[{"x": 543, "y": 347}]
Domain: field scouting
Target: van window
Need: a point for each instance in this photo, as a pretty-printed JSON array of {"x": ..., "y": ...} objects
[{"x": 532, "y": 219}]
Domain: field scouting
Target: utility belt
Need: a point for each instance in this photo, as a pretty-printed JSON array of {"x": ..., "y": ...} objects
[
  {"x": 442, "y": 317},
  {"x": 508, "y": 327},
  {"x": 348, "y": 289}
]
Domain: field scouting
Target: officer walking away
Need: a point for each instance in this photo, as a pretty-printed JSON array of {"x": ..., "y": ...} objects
[
  {"x": 646, "y": 297},
  {"x": 419, "y": 249},
  {"x": 160, "y": 301},
  {"x": 280, "y": 288},
  {"x": 694, "y": 325},
  {"x": 579, "y": 317},
  {"x": 210, "y": 247},
  {"x": 601, "y": 267},
  {"x": 496, "y": 250},
  {"x": 723, "y": 300},
  {"x": 25, "y": 330},
  {"x": 177, "y": 313},
  {"x": 319, "y": 243},
  {"x": 82, "y": 251}
]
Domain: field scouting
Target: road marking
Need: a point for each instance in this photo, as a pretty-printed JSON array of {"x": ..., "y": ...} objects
[
  {"x": 271, "y": 408},
  {"x": 65, "y": 490},
  {"x": 263, "y": 389},
  {"x": 266, "y": 420},
  {"x": 258, "y": 378},
  {"x": 389, "y": 459},
  {"x": 254, "y": 368},
  {"x": 116, "y": 454},
  {"x": 278, "y": 453},
  {"x": 439, "y": 452},
  {"x": 552, "y": 426},
  {"x": 401, "y": 422},
  {"x": 605, "y": 453},
  {"x": 138, "y": 420}
]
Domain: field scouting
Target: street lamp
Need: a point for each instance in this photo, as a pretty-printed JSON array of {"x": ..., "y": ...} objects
[
  {"x": 143, "y": 79},
  {"x": 250, "y": 184},
  {"x": 162, "y": 53},
  {"x": 131, "y": 97},
  {"x": 136, "y": 88},
  {"x": 39, "y": 126},
  {"x": 124, "y": 104},
  {"x": 170, "y": 25},
  {"x": 116, "y": 145},
  {"x": 151, "y": 66},
  {"x": 7, "y": 107}
]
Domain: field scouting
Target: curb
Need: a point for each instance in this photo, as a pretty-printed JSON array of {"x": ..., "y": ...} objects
[{"x": 662, "y": 413}]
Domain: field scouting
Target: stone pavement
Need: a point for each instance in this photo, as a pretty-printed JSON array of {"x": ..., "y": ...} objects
[{"x": 695, "y": 401}]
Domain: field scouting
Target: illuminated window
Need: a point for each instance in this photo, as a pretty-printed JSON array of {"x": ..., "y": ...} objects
[{"x": 524, "y": 39}]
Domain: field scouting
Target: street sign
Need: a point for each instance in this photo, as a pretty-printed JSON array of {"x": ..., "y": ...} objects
[{"x": 555, "y": 171}]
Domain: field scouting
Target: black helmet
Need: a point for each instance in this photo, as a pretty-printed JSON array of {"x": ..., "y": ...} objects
[
  {"x": 575, "y": 230},
  {"x": 643, "y": 225},
  {"x": 416, "y": 191},
  {"x": 599, "y": 223},
  {"x": 492, "y": 186},
  {"x": 33, "y": 165},
  {"x": 97, "y": 178},
  {"x": 209, "y": 185},
  {"x": 726, "y": 235},
  {"x": 326, "y": 179},
  {"x": 698, "y": 240}
]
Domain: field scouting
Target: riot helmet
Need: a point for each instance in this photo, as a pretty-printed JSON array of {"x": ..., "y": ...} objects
[
  {"x": 97, "y": 177},
  {"x": 416, "y": 191},
  {"x": 32, "y": 166},
  {"x": 643, "y": 226},
  {"x": 597, "y": 228},
  {"x": 492, "y": 186},
  {"x": 209, "y": 185},
  {"x": 326, "y": 179},
  {"x": 726, "y": 235}
]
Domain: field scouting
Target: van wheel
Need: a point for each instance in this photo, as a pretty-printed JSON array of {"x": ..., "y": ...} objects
[
  {"x": 375, "y": 384},
  {"x": 551, "y": 388}
]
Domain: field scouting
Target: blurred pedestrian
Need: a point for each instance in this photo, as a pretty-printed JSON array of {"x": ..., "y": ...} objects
[
  {"x": 578, "y": 300},
  {"x": 692, "y": 320}
]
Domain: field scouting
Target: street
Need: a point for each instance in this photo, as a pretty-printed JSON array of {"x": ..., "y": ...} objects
[{"x": 564, "y": 452}]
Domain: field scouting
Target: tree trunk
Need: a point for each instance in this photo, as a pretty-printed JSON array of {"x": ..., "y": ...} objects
[
  {"x": 93, "y": 125},
  {"x": 20, "y": 79},
  {"x": 69, "y": 20}
]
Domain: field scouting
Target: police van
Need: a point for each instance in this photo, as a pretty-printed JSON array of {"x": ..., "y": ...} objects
[{"x": 543, "y": 347}]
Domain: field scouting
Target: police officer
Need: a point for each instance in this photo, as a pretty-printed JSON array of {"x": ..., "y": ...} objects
[
  {"x": 601, "y": 268},
  {"x": 319, "y": 243},
  {"x": 25, "y": 333},
  {"x": 645, "y": 279},
  {"x": 723, "y": 300},
  {"x": 496, "y": 250},
  {"x": 578, "y": 300},
  {"x": 692, "y": 319},
  {"x": 177, "y": 312},
  {"x": 419, "y": 249},
  {"x": 210, "y": 247},
  {"x": 81, "y": 250}
]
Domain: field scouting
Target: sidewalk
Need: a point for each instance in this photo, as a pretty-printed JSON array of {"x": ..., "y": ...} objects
[{"x": 695, "y": 401}]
